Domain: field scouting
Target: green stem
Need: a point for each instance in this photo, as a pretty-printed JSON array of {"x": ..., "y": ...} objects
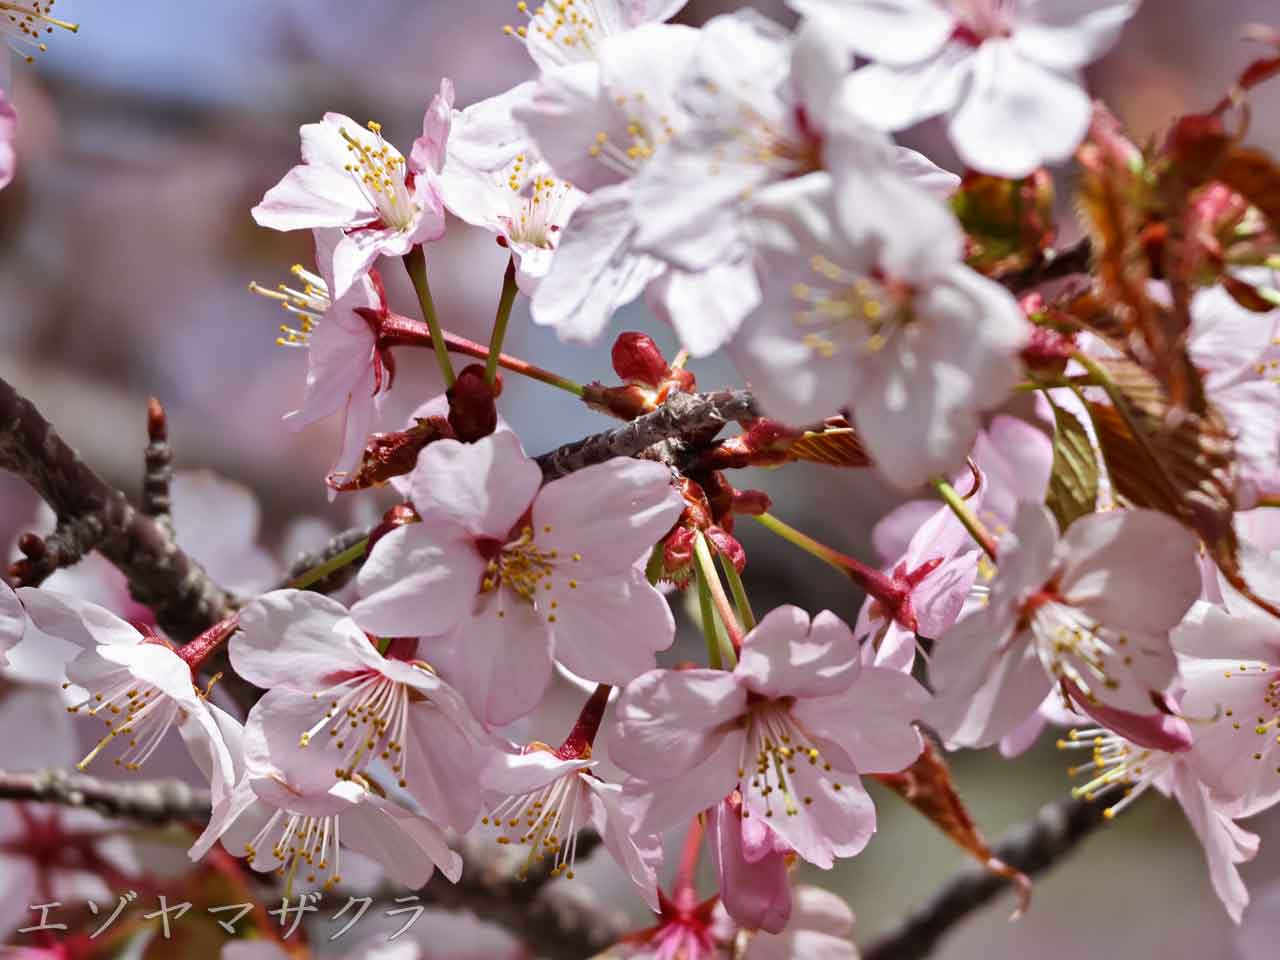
[
  {"x": 966, "y": 516},
  {"x": 806, "y": 543},
  {"x": 653, "y": 569},
  {"x": 505, "y": 303},
  {"x": 708, "y": 616},
  {"x": 707, "y": 574},
  {"x": 318, "y": 573},
  {"x": 740, "y": 601},
  {"x": 415, "y": 261}
]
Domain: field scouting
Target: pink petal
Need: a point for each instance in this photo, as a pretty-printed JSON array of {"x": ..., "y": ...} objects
[
  {"x": 610, "y": 514},
  {"x": 1068, "y": 34},
  {"x": 1225, "y": 843},
  {"x": 787, "y": 655},
  {"x": 420, "y": 579},
  {"x": 298, "y": 638},
  {"x": 407, "y": 846},
  {"x": 8, "y": 132},
  {"x": 69, "y": 618},
  {"x": 608, "y": 628},
  {"x": 484, "y": 487},
  {"x": 871, "y": 721},
  {"x": 891, "y": 31},
  {"x": 756, "y": 894}
]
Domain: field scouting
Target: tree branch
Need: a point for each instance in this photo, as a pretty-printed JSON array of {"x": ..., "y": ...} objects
[
  {"x": 94, "y": 515},
  {"x": 338, "y": 544},
  {"x": 1031, "y": 847},
  {"x": 681, "y": 415},
  {"x": 158, "y": 477},
  {"x": 1076, "y": 258},
  {"x": 148, "y": 801}
]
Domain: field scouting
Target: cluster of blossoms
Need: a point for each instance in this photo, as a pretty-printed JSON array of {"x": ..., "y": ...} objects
[{"x": 1109, "y": 569}]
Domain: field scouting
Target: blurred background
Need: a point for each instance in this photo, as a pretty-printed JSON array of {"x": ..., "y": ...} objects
[{"x": 126, "y": 247}]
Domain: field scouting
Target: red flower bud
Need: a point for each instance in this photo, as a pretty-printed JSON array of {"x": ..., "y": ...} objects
[
  {"x": 637, "y": 359},
  {"x": 472, "y": 411}
]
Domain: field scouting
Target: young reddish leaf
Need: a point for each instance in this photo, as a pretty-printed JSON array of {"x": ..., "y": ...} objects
[
  {"x": 1255, "y": 175},
  {"x": 927, "y": 786}
]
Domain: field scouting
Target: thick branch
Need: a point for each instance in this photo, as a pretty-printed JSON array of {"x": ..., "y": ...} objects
[
  {"x": 1031, "y": 847},
  {"x": 148, "y": 801},
  {"x": 93, "y": 515},
  {"x": 683, "y": 414}
]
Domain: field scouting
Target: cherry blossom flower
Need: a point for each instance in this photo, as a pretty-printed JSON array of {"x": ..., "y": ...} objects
[
  {"x": 566, "y": 32},
  {"x": 8, "y": 133},
  {"x": 1006, "y": 74},
  {"x": 790, "y": 728},
  {"x": 542, "y": 800},
  {"x": 1234, "y": 349},
  {"x": 336, "y": 703},
  {"x": 1058, "y": 617},
  {"x": 346, "y": 371},
  {"x": 934, "y": 577},
  {"x": 1230, "y": 665},
  {"x": 281, "y": 819},
  {"x": 351, "y": 178},
  {"x": 138, "y": 685},
  {"x": 887, "y": 320},
  {"x": 504, "y": 577},
  {"x": 511, "y": 192},
  {"x": 597, "y": 123},
  {"x": 1120, "y": 765},
  {"x": 762, "y": 106}
]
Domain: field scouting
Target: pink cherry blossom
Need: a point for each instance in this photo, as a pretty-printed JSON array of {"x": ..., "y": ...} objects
[
  {"x": 762, "y": 107},
  {"x": 494, "y": 178},
  {"x": 791, "y": 728},
  {"x": 338, "y": 706},
  {"x": 8, "y": 133},
  {"x": 346, "y": 371},
  {"x": 137, "y": 685},
  {"x": 505, "y": 577},
  {"x": 13, "y": 621},
  {"x": 886, "y": 319},
  {"x": 562, "y": 34},
  {"x": 352, "y": 179},
  {"x": 1091, "y": 610},
  {"x": 542, "y": 800},
  {"x": 281, "y": 819},
  {"x": 1234, "y": 349},
  {"x": 935, "y": 577},
  {"x": 1005, "y": 72},
  {"x": 1121, "y": 765}
]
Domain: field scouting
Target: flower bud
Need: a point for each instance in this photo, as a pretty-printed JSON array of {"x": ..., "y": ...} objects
[{"x": 472, "y": 411}]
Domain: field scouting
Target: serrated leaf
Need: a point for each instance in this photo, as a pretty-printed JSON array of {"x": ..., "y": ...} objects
[
  {"x": 1073, "y": 481},
  {"x": 928, "y": 787},
  {"x": 1175, "y": 461}
]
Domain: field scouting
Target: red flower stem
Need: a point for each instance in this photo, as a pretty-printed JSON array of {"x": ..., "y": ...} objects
[
  {"x": 583, "y": 735},
  {"x": 398, "y": 331},
  {"x": 876, "y": 583},
  {"x": 707, "y": 569},
  {"x": 196, "y": 651},
  {"x": 686, "y": 873}
]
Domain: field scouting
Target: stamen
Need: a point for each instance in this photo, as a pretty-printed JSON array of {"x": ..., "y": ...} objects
[{"x": 23, "y": 25}]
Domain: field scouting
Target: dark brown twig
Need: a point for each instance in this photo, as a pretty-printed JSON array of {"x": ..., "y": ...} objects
[
  {"x": 93, "y": 515},
  {"x": 159, "y": 463},
  {"x": 683, "y": 414},
  {"x": 1031, "y": 847},
  {"x": 338, "y": 544},
  {"x": 1076, "y": 258},
  {"x": 148, "y": 801}
]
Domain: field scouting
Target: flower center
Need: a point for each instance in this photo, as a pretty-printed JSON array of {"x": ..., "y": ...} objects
[
  {"x": 573, "y": 29},
  {"x": 23, "y": 24},
  {"x": 135, "y": 710},
  {"x": 380, "y": 170},
  {"x": 843, "y": 308},
  {"x": 537, "y": 204},
  {"x": 545, "y": 820},
  {"x": 295, "y": 839},
  {"x": 1117, "y": 764},
  {"x": 1072, "y": 645},
  {"x": 308, "y": 305},
  {"x": 520, "y": 565},
  {"x": 981, "y": 20},
  {"x": 1259, "y": 715},
  {"x": 368, "y": 720},
  {"x": 776, "y": 764},
  {"x": 646, "y": 130}
]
